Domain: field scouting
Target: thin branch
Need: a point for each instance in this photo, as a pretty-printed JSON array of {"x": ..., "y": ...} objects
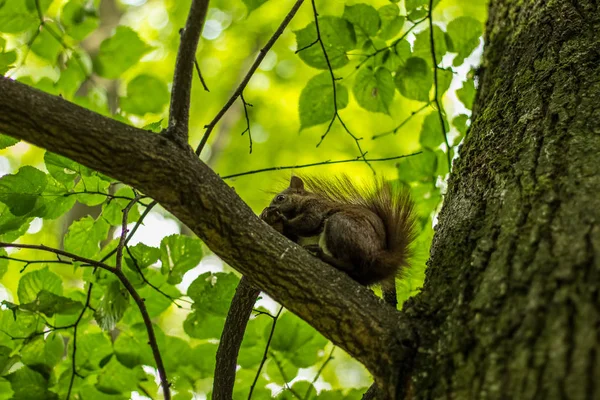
[
  {"x": 261, "y": 55},
  {"x": 98, "y": 264},
  {"x": 285, "y": 379},
  {"x": 264, "y": 359},
  {"x": 404, "y": 122},
  {"x": 336, "y": 114},
  {"x": 146, "y": 281},
  {"x": 162, "y": 373},
  {"x": 124, "y": 231},
  {"x": 200, "y": 75},
  {"x": 231, "y": 339},
  {"x": 391, "y": 46},
  {"x": 310, "y": 387},
  {"x": 74, "y": 354},
  {"x": 29, "y": 262},
  {"x": 246, "y": 105},
  {"x": 184, "y": 67},
  {"x": 435, "y": 86},
  {"x": 316, "y": 164},
  {"x": 133, "y": 230}
]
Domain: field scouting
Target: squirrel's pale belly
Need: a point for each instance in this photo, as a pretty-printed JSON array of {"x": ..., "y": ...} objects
[{"x": 316, "y": 239}]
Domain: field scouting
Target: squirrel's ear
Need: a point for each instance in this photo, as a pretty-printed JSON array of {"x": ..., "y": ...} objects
[{"x": 296, "y": 183}]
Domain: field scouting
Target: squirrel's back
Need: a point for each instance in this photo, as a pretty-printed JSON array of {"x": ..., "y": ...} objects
[{"x": 391, "y": 203}]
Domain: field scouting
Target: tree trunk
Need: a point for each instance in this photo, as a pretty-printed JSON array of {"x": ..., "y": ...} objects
[{"x": 510, "y": 308}]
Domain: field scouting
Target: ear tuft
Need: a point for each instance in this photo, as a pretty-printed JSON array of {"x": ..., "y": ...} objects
[{"x": 296, "y": 183}]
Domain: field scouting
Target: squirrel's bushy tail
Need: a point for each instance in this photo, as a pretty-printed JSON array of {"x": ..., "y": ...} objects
[{"x": 390, "y": 202}]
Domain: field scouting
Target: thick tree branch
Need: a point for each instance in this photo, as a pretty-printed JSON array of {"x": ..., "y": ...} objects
[
  {"x": 350, "y": 315},
  {"x": 179, "y": 109},
  {"x": 231, "y": 339}
]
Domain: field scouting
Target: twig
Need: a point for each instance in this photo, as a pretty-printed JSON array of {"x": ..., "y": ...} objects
[
  {"x": 247, "y": 120},
  {"x": 394, "y": 43},
  {"x": 310, "y": 387},
  {"x": 162, "y": 373},
  {"x": 182, "y": 79},
  {"x": 327, "y": 162},
  {"x": 133, "y": 230},
  {"x": 280, "y": 368},
  {"x": 261, "y": 55},
  {"x": 404, "y": 122},
  {"x": 137, "y": 267},
  {"x": 336, "y": 114},
  {"x": 121, "y": 244},
  {"x": 200, "y": 75},
  {"x": 98, "y": 264},
  {"x": 74, "y": 354},
  {"x": 435, "y": 86},
  {"x": 264, "y": 359},
  {"x": 231, "y": 339},
  {"x": 29, "y": 262}
]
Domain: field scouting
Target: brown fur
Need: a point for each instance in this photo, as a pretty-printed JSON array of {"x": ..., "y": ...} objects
[{"x": 363, "y": 230}]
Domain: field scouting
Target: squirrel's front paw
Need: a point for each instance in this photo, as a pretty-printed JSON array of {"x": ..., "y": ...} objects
[
  {"x": 273, "y": 217},
  {"x": 314, "y": 248}
]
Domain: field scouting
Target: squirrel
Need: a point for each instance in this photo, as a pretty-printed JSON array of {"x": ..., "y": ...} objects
[{"x": 364, "y": 231}]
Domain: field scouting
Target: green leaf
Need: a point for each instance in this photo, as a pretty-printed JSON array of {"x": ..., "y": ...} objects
[
  {"x": 422, "y": 46},
  {"x": 253, "y": 4},
  {"x": 431, "y": 131},
  {"x": 402, "y": 50},
  {"x": 113, "y": 306},
  {"x": 460, "y": 123},
  {"x": 466, "y": 94},
  {"x": 145, "y": 94},
  {"x": 92, "y": 349},
  {"x": 28, "y": 384},
  {"x": 84, "y": 236},
  {"x": 374, "y": 90},
  {"x": 444, "y": 80},
  {"x": 21, "y": 191},
  {"x": 49, "y": 303},
  {"x": 21, "y": 15},
  {"x": 391, "y": 21},
  {"x": 6, "y": 61},
  {"x": 131, "y": 347},
  {"x": 204, "y": 357},
  {"x": 414, "y": 79},
  {"x": 419, "y": 168},
  {"x": 338, "y": 38},
  {"x": 12, "y": 227},
  {"x": 63, "y": 169},
  {"x": 364, "y": 18},
  {"x": 93, "y": 186},
  {"x": 53, "y": 203},
  {"x": 299, "y": 341},
  {"x": 179, "y": 254},
  {"x": 7, "y": 141},
  {"x": 316, "y": 100},
  {"x": 119, "y": 52},
  {"x": 414, "y": 4},
  {"x": 46, "y": 45},
  {"x": 117, "y": 378},
  {"x": 144, "y": 256},
  {"x": 212, "y": 294},
  {"x": 43, "y": 354},
  {"x": 71, "y": 77},
  {"x": 3, "y": 265},
  {"x": 155, "y": 127},
  {"x": 79, "y": 18},
  {"x": 464, "y": 32},
  {"x": 112, "y": 210},
  {"x": 34, "y": 282}
]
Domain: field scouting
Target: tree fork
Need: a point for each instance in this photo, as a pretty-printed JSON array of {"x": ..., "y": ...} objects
[{"x": 349, "y": 315}]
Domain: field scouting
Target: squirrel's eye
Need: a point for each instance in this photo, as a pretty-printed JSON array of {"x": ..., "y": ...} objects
[{"x": 280, "y": 198}]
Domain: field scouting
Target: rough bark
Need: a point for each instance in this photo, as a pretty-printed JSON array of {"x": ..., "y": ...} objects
[
  {"x": 510, "y": 308},
  {"x": 350, "y": 315}
]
